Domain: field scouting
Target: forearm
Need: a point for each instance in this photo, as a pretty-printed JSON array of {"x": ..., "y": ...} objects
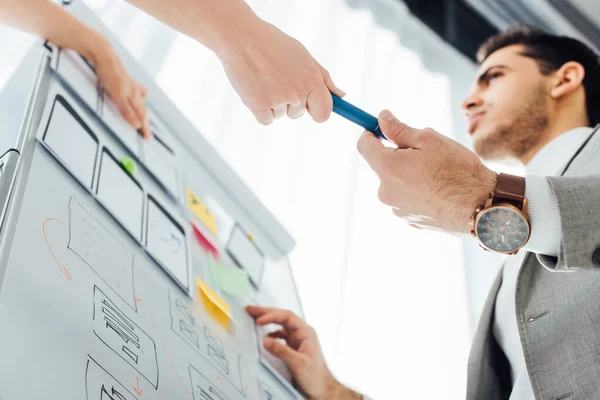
[
  {"x": 49, "y": 21},
  {"x": 217, "y": 24}
]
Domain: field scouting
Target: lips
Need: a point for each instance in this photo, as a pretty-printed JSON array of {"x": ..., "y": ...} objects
[{"x": 474, "y": 118}]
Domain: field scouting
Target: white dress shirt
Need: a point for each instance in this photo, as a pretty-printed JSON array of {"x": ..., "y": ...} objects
[{"x": 544, "y": 218}]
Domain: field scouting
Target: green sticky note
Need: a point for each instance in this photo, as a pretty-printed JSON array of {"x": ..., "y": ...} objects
[
  {"x": 128, "y": 164},
  {"x": 231, "y": 280}
]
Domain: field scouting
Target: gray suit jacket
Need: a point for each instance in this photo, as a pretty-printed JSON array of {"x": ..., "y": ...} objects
[{"x": 557, "y": 300}]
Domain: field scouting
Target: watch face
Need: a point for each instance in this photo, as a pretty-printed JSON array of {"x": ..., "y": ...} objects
[{"x": 502, "y": 229}]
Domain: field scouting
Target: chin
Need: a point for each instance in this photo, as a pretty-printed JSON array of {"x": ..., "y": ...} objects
[{"x": 485, "y": 146}]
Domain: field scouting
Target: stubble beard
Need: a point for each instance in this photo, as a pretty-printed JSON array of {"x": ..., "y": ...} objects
[{"x": 515, "y": 138}]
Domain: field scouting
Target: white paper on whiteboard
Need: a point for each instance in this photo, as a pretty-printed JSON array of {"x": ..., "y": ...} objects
[
  {"x": 161, "y": 163},
  {"x": 79, "y": 76},
  {"x": 121, "y": 195},
  {"x": 245, "y": 253},
  {"x": 274, "y": 365},
  {"x": 122, "y": 130},
  {"x": 71, "y": 141},
  {"x": 166, "y": 243}
]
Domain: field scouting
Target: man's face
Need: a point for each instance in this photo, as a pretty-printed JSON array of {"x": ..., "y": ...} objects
[{"x": 509, "y": 105}]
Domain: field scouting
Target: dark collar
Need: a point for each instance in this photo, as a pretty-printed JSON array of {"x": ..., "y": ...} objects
[{"x": 580, "y": 149}]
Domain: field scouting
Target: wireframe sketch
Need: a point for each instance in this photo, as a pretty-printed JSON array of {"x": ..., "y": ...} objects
[
  {"x": 183, "y": 322},
  {"x": 96, "y": 247},
  {"x": 204, "y": 388},
  {"x": 216, "y": 352},
  {"x": 166, "y": 243},
  {"x": 265, "y": 392},
  {"x": 123, "y": 336},
  {"x": 100, "y": 385},
  {"x": 222, "y": 360},
  {"x": 275, "y": 391},
  {"x": 162, "y": 164}
]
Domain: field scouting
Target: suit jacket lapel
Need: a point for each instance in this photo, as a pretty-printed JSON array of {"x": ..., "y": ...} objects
[{"x": 488, "y": 369}]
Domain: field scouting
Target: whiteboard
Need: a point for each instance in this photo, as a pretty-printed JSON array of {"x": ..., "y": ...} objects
[{"x": 91, "y": 306}]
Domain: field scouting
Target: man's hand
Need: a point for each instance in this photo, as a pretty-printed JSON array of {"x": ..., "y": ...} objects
[
  {"x": 429, "y": 180},
  {"x": 275, "y": 75},
  {"x": 128, "y": 95},
  {"x": 297, "y": 345}
]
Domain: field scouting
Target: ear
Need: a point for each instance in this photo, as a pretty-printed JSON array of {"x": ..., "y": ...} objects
[{"x": 567, "y": 79}]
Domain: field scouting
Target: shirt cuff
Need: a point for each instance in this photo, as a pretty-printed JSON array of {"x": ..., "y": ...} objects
[{"x": 544, "y": 217}]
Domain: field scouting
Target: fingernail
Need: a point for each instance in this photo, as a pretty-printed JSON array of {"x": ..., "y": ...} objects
[
  {"x": 268, "y": 344},
  {"x": 386, "y": 115}
]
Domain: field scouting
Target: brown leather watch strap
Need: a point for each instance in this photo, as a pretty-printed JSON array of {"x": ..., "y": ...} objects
[{"x": 510, "y": 189}]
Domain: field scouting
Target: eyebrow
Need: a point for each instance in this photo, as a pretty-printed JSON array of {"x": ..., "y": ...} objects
[{"x": 481, "y": 78}]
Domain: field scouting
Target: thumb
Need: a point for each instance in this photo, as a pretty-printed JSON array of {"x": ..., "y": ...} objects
[
  {"x": 401, "y": 134},
  {"x": 329, "y": 83},
  {"x": 282, "y": 351}
]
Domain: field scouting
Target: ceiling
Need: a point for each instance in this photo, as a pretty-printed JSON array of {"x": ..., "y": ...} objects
[{"x": 576, "y": 18}]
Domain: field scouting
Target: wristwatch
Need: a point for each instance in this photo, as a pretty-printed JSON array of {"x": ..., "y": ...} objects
[{"x": 502, "y": 224}]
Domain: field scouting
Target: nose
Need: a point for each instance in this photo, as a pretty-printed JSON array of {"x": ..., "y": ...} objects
[{"x": 473, "y": 100}]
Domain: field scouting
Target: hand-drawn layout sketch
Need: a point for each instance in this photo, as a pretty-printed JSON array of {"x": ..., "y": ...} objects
[
  {"x": 216, "y": 352},
  {"x": 96, "y": 247},
  {"x": 183, "y": 322},
  {"x": 121, "y": 194},
  {"x": 161, "y": 162},
  {"x": 166, "y": 243},
  {"x": 224, "y": 361},
  {"x": 203, "y": 388},
  {"x": 67, "y": 131},
  {"x": 100, "y": 385},
  {"x": 273, "y": 392},
  {"x": 79, "y": 75},
  {"x": 123, "y": 336},
  {"x": 265, "y": 392},
  {"x": 274, "y": 365},
  {"x": 246, "y": 254},
  {"x": 111, "y": 116}
]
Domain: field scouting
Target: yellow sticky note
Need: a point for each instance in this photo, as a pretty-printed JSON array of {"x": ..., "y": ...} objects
[
  {"x": 201, "y": 212},
  {"x": 214, "y": 304}
]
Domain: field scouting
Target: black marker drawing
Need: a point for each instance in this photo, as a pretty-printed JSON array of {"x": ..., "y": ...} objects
[
  {"x": 216, "y": 352},
  {"x": 183, "y": 323},
  {"x": 123, "y": 336},
  {"x": 101, "y": 385},
  {"x": 223, "y": 360},
  {"x": 166, "y": 243},
  {"x": 102, "y": 252},
  {"x": 265, "y": 392},
  {"x": 203, "y": 388}
]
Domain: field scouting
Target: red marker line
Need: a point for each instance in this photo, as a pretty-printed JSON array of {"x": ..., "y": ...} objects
[
  {"x": 165, "y": 347},
  {"x": 64, "y": 269}
]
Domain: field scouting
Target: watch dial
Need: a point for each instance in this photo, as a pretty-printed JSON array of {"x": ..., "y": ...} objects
[{"x": 502, "y": 229}]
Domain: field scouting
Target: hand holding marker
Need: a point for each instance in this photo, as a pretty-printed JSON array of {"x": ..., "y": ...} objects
[{"x": 356, "y": 115}]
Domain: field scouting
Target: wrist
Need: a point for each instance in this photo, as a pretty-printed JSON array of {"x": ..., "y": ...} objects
[
  {"x": 484, "y": 185},
  {"x": 223, "y": 40},
  {"x": 93, "y": 46}
]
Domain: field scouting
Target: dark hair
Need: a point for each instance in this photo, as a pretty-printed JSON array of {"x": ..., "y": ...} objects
[{"x": 552, "y": 52}]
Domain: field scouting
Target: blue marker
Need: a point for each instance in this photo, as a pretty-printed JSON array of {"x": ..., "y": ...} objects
[{"x": 356, "y": 115}]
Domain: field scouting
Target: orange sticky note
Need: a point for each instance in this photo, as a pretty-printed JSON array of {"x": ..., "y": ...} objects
[
  {"x": 201, "y": 212},
  {"x": 214, "y": 304}
]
